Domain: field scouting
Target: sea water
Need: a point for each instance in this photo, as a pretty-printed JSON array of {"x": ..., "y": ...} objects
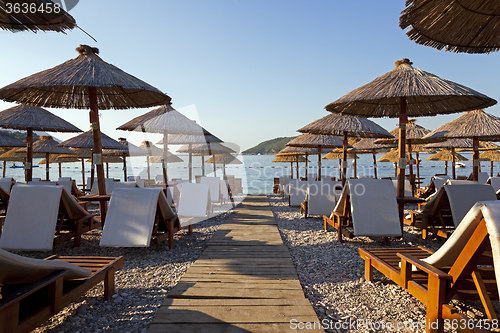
[{"x": 257, "y": 171}]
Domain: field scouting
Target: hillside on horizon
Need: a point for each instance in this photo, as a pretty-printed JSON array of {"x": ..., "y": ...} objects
[{"x": 272, "y": 146}]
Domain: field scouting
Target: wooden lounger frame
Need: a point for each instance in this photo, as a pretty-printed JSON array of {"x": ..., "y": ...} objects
[
  {"x": 341, "y": 221},
  {"x": 470, "y": 277},
  {"x": 165, "y": 228},
  {"x": 27, "y": 306}
]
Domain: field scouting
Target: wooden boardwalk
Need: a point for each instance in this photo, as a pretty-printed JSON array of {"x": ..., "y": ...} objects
[{"x": 244, "y": 281}]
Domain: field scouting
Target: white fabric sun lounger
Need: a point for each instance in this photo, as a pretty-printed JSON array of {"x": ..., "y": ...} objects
[
  {"x": 439, "y": 181},
  {"x": 322, "y": 196},
  {"x": 214, "y": 183},
  {"x": 407, "y": 187},
  {"x": 107, "y": 181},
  {"x": 6, "y": 184},
  {"x": 297, "y": 192},
  {"x": 224, "y": 189},
  {"x": 493, "y": 181},
  {"x": 194, "y": 200}
]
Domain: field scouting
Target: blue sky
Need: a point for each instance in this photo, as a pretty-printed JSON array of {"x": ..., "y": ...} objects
[{"x": 248, "y": 71}]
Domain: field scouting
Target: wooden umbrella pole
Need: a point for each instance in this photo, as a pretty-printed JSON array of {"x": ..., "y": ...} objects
[
  {"x": 215, "y": 166},
  {"x": 60, "y": 170},
  {"x": 96, "y": 132},
  {"x": 453, "y": 172},
  {"x": 202, "y": 164},
  {"x": 475, "y": 168},
  {"x": 446, "y": 167},
  {"x": 47, "y": 166},
  {"x": 344, "y": 158},
  {"x": 223, "y": 170},
  {"x": 29, "y": 157},
  {"x": 124, "y": 167},
  {"x": 149, "y": 169},
  {"x": 4, "y": 167},
  {"x": 83, "y": 172},
  {"x": 340, "y": 168},
  {"x": 107, "y": 170},
  {"x": 374, "y": 163},
  {"x": 291, "y": 170},
  {"x": 491, "y": 172},
  {"x": 92, "y": 168},
  {"x": 418, "y": 171},
  {"x": 307, "y": 154},
  {"x": 319, "y": 162},
  {"x": 412, "y": 180},
  {"x": 297, "y": 165},
  {"x": 403, "y": 120},
  {"x": 164, "y": 159}
]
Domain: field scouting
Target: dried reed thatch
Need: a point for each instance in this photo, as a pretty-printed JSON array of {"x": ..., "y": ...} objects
[
  {"x": 60, "y": 158},
  {"x": 368, "y": 144},
  {"x": 425, "y": 93},
  {"x": 46, "y": 144},
  {"x": 315, "y": 140},
  {"x": 182, "y": 139},
  {"x": 66, "y": 86},
  {"x": 490, "y": 155},
  {"x": 150, "y": 148},
  {"x": 46, "y": 20},
  {"x": 297, "y": 151},
  {"x": 391, "y": 156},
  {"x": 451, "y": 143},
  {"x": 24, "y": 116},
  {"x": 206, "y": 149},
  {"x": 469, "y": 26},
  {"x": 337, "y": 154},
  {"x": 171, "y": 158},
  {"x": 446, "y": 155},
  {"x": 338, "y": 124},
  {"x": 82, "y": 152},
  {"x": 129, "y": 149},
  {"x": 9, "y": 141},
  {"x": 471, "y": 124},
  {"x": 290, "y": 158},
  {"x": 414, "y": 132},
  {"x": 86, "y": 140},
  {"x": 485, "y": 145},
  {"x": 109, "y": 159},
  {"x": 224, "y": 159},
  {"x": 14, "y": 155}
]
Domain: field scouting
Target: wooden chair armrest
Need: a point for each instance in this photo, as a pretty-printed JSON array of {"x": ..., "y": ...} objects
[
  {"x": 422, "y": 265},
  {"x": 338, "y": 214}
]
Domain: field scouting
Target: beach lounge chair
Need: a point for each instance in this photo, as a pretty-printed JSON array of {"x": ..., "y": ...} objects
[
  {"x": 238, "y": 186},
  {"x": 282, "y": 183},
  {"x": 436, "y": 183},
  {"x": 482, "y": 177},
  {"x": 38, "y": 213},
  {"x": 276, "y": 185},
  {"x": 408, "y": 191},
  {"x": 443, "y": 212},
  {"x": 137, "y": 216},
  {"x": 494, "y": 182},
  {"x": 7, "y": 183},
  {"x": 466, "y": 267},
  {"x": 321, "y": 197},
  {"x": 194, "y": 201},
  {"x": 361, "y": 208},
  {"x": 224, "y": 190},
  {"x": 133, "y": 178},
  {"x": 4, "y": 201},
  {"x": 70, "y": 186},
  {"x": 297, "y": 192},
  {"x": 214, "y": 183},
  {"x": 33, "y": 290},
  {"x": 107, "y": 181},
  {"x": 159, "y": 179}
]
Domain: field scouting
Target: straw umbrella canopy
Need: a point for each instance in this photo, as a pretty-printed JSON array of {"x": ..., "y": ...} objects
[
  {"x": 171, "y": 158},
  {"x": 446, "y": 155},
  {"x": 483, "y": 146},
  {"x": 471, "y": 26},
  {"x": 492, "y": 156},
  {"x": 288, "y": 150},
  {"x": 7, "y": 141},
  {"x": 59, "y": 159},
  {"x": 345, "y": 126},
  {"x": 109, "y": 159},
  {"x": 407, "y": 91},
  {"x": 129, "y": 149},
  {"x": 224, "y": 159},
  {"x": 338, "y": 154},
  {"x": 165, "y": 120},
  {"x": 392, "y": 157},
  {"x": 291, "y": 159},
  {"x": 32, "y": 118},
  {"x": 207, "y": 148},
  {"x": 452, "y": 144},
  {"x": 152, "y": 151},
  {"x": 47, "y": 145},
  {"x": 86, "y": 142},
  {"x": 190, "y": 140},
  {"x": 368, "y": 145},
  {"x": 85, "y": 82},
  {"x": 475, "y": 124},
  {"x": 41, "y": 15}
]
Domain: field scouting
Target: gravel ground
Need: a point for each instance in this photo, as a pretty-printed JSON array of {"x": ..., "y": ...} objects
[
  {"x": 141, "y": 284},
  {"x": 332, "y": 275}
]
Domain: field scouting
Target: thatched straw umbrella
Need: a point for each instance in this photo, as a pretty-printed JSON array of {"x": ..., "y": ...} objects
[
  {"x": 316, "y": 141},
  {"x": 190, "y": 140},
  {"x": 207, "y": 148},
  {"x": 109, "y": 159},
  {"x": 392, "y": 157},
  {"x": 290, "y": 159},
  {"x": 338, "y": 154},
  {"x": 224, "y": 159},
  {"x": 46, "y": 16},
  {"x": 32, "y": 118},
  {"x": 7, "y": 141},
  {"x": 59, "y": 159},
  {"x": 492, "y": 156},
  {"x": 46, "y": 145},
  {"x": 414, "y": 135},
  {"x": 171, "y": 158},
  {"x": 85, "y": 82},
  {"x": 288, "y": 150},
  {"x": 129, "y": 149},
  {"x": 475, "y": 124},
  {"x": 165, "y": 120},
  {"x": 15, "y": 156},
  {"x": 152, "y": 151},
  {"x": 368, "y": 145},
  {"x": 447, "y": 155},
  {"x": 406, "y": 91},
  {"x": 471, "y": 26},
  {"x": 345, "y": 126},
  {"x": 452, "y": 144},
  {"x": 86, "y": 141}
]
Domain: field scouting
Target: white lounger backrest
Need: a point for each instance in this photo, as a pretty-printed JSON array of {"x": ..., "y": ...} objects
[
  {"x": 482, "y": 177},
  {"x": 159, "y": 179},
  {"x": 298, "y": 190},
  {"x": 6, "y": 184},
  {"x": 407, "y": 187},
  {"x": 67, "y": 184},
  {"x": 31, "y": 218},
  {"x": 17, "y": 269},
  {"x": 131, "y": 216},
  {"x": 63, "y": 179},
  {"x": 370, "y": 215},
  {"x": 282, "y": 180},
  {"x": 194, "y": 200},
  {"x": 322, "y": 196},
  {"x": 223, "y": 186},
  {"x": 107, "y": 181},
  {"x": 494, "y": 182},
  {"x": 112, "y": 186},
  {"x": 214, "y": 183},
  {"x": 463, "y": 197},
  {"x": 439, "y": 181}
]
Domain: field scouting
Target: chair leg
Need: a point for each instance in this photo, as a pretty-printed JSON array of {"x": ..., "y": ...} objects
[
  {"x": 190, "y": 229},
  {"x": 368, "y": 269},
  {"x": 170, "y": 234},
  {"x": 109, "y": 284}
]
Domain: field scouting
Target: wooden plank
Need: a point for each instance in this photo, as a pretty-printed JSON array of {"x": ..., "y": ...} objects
[
  {"x": 228, "y": 328},
  {"x": 224, "y": 292},
  {"x": 235, "y": 301}
]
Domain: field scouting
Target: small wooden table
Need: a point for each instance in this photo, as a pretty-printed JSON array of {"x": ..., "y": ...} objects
[
  {"x": 103, "y": 206},
  {"x": 401, "y": 207}
]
